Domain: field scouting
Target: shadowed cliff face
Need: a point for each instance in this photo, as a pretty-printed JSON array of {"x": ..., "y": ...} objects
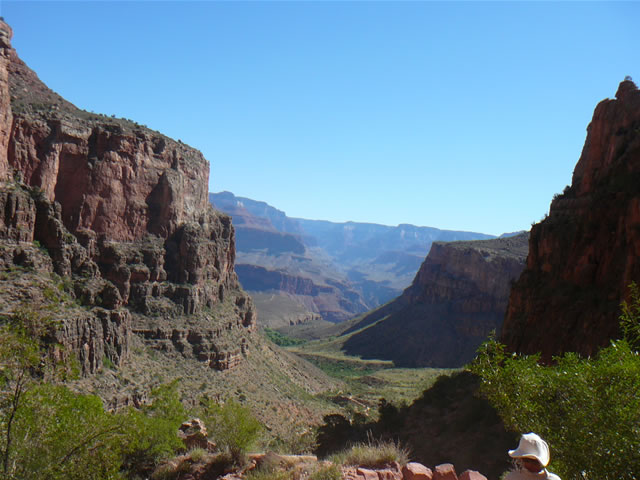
[
  {"x": 585, "y": 253},
  {"x": 123, "y": 212},
  {"x": 457, "y": 298}
]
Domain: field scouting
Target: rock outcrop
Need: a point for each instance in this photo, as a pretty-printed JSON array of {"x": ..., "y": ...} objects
[
  {"x": 123, "y": 213},
  {"x": 585, "y": 254},
  {"x": 457, "y": 298}
]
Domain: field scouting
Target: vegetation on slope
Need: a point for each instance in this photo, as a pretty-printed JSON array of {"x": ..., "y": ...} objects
[{"x": 588, "y": 409}]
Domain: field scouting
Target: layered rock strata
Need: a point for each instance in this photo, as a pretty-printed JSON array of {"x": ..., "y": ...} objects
[
  {"x": 457, "y": 298},
  {"x": 584, "y": 255},
  {"x": 123, "y": 213},
  {"x": 271, "y": 262}
]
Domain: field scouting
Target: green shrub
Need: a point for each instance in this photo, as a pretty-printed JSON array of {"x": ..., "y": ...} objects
[
  {"x": 588, "y": 409},
  {"x": 63, "y": 435},
  {"x": 258, "y": 474},
  {"x": 327, "y": 472},
  {"x": 152, "y": 430},
  {"x": 47, "y": 431},
  {"x": 198, "y": 454},
  {"x": 282, "y": 340},
  {"x": 231, "y": 426}
]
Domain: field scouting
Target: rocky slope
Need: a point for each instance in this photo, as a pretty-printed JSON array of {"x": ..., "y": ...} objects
[
  {"x": 457, "y": 298},
  {"x": 126, "y": 230},
  {"x": 585, "y": 253}
]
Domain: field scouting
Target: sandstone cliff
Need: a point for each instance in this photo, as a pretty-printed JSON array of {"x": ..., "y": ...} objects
[
  {"x": 122, "y": 215},
  {"x": 585, "y": 253},
  {"x": 457, "y": 298}
]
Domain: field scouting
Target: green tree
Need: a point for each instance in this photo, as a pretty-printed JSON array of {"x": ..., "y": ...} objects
[
  {"x": 231, "y": 425},
  {"x": 47, "y": 431},
  {"x": 588, "y": 409},
  {"x": 64, "y": 435},
  {"x": 19, "y": 359}
]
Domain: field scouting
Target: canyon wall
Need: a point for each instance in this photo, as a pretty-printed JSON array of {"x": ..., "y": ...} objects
[
  {"x": 457, "y": 298},
  {"x": 123, "y": 213},
  {"x": 584, "y": 255}
]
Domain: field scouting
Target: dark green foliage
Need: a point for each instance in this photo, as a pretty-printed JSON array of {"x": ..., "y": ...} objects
[
  {"x": 48, "y": 432},
  {"x": 282, "y": 340},
  {"x": 64, "y": 435},
  {"x": 335, "y": 433},
  {"x": 588, "y": 409},
  {"x": 629, "y": 318},
  {"x": 152, "y": 431}
]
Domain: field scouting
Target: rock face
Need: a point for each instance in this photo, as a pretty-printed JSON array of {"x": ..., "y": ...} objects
[
  {"x": 457, "y": 298},
  {"x": 6, "y": 118},
  {"x": 123, "y": 212},
  {"x": 585, "y": 253}
]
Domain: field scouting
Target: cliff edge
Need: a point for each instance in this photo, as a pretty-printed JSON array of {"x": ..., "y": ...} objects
[
  {"x": 125, "y": 231},
  {"x": 584, "y": 255}
]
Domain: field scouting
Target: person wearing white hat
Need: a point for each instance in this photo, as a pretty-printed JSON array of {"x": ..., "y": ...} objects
[{"x": 531, "y": 457}]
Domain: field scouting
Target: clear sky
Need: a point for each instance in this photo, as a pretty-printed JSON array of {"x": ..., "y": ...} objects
[{"x": 455, "y": 115}]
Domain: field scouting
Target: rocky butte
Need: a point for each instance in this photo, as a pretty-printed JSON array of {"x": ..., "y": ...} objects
[
  {"x": 457, "y": 298},
  {"x": 124, "y": 226},
  {"x": 585, "y": 254}
]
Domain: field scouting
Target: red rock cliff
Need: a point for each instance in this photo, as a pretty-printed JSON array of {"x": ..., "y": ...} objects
[
  {"x": 5, "y": 99},
  {"x": 121, "y": 210},
  {"x": 584, "y": 255},
  {"x": 457, "y": 298}
]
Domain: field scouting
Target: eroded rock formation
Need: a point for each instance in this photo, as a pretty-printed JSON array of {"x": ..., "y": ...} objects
[
  {"x": 585, "y": 253},
  {"x": 123, "y": 213},
  {"x": 457, "y": 298}
]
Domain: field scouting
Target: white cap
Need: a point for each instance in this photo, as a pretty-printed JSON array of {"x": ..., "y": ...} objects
[{"x": 532, "y": 446}]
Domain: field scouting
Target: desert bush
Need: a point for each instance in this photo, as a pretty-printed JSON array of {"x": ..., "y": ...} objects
[
  {"x": 259, "y": 474},
  {"x": 281, "y": 339},
  {"x": 588, "y": 409},
  {"x": 326, "y": 472},
  {"x": 151, "y": 434},
  {"x": 372, "y": 454},
  {"x": 63, "y": 435},
  {"x": 198, "y": 454},
  {"x": 47, "y": 431},
  {"x": 231, "y": 426}
]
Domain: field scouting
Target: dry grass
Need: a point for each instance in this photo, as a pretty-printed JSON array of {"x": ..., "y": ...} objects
[{"x": 372, "y": 454}]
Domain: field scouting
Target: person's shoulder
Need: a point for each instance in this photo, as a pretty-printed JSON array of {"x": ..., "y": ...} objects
[{"x": 552, "y": 476}]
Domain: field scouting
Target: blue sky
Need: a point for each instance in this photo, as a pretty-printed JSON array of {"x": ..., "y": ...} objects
[{"x": 455, "y": 115}]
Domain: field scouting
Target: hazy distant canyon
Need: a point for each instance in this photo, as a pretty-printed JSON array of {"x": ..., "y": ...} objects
[{"x": 299, "y": 270}]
